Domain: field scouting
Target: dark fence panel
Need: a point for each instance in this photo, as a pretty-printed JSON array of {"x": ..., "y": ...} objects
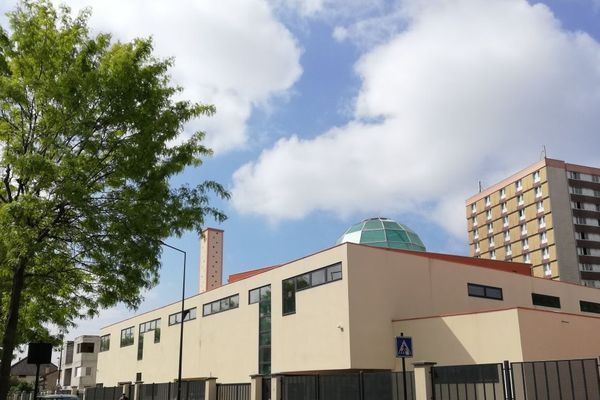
[
  {"x": 465, "y": 382},
  {"x": 266, "y": 388},
  {"x": 190, "y": 390},
  {"x": 560, "y": 380},
  {"x": 233, "y": 391},
  {"x": 303, "y": 387},
  {"x": 104, "y": 393},
  {"x": 355, "y": 386},
  {"x": 388, "y": 386}
]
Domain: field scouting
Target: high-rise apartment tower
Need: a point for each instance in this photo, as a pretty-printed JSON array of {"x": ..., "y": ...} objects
[{"x": 547, "y": 215}]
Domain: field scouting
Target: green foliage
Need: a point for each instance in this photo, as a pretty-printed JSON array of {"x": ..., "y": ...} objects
[
  {"x": 18, "y": 386},
  {"x": 90, "y": 134}
]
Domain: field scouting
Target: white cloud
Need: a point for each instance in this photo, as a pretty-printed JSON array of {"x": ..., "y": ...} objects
[
  {"x": 232, "y": 53},
  {"x": 470, "y": 90}
]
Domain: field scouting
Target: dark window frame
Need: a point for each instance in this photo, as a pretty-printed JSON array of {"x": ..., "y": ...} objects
[
  {"x": 589, "y": 306},
  {"x": 104, "y": 343},
  {"x": 336, "y": 275},
  {"x": 545, "y": 300},
  {"x": 485, "y": 294},
  {"x": 220, "y": 301},
  {"x": 258, "y": 290},
  {"x": 85, "y": 347},
  {"x": 127, "y": 336},
  {"x": 188, "y": 316}
]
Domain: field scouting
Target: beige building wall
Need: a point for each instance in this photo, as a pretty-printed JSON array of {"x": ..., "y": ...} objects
[
  {"x": 385, "y": 286},
  {"x": 345, "y": 324},
  {"x": 225, "y": 344},
  {"x": 465, "y": 339}
]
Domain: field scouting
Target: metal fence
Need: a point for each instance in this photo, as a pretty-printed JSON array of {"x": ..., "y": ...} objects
[
  {"x": 457, "y": 382},
  {"x": 190, "y": 390},
  {"x": 356, "y": 386},
  {"x": 566, "y": 379},
  {"x": 107, "y": 393},
  {"x": 20, "y": 396},
  {"x": 233, "y": 391},
  {"x": 533, "y": 380}
]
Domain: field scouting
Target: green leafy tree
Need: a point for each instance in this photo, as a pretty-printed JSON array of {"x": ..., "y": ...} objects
[{"x": 89, "y": 138}]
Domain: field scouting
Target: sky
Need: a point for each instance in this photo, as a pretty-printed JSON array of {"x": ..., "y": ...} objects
[{"x": 333, "y": 111}]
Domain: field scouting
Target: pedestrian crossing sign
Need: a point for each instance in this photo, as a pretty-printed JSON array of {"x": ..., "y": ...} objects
[{"x": 404, "y": 347}]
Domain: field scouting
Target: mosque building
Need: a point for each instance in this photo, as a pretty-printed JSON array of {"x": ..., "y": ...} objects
[{"x": 341, "y": 308}]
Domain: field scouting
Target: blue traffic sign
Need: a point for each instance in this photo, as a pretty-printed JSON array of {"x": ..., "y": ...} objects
[{"x": 404, "y": 348}]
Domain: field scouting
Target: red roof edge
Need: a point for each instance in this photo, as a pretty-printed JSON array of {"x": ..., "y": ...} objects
[{"x": 247, "y": 274}]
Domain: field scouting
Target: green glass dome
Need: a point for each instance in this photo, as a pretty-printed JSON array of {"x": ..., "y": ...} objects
[{"x": 383, "y": 232}]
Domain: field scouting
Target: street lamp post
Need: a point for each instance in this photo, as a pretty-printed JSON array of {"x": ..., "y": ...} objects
[{"x": 182, "y": 317}]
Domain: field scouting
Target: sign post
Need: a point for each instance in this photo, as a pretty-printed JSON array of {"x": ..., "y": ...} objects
[{"x": 404, "y": 350}]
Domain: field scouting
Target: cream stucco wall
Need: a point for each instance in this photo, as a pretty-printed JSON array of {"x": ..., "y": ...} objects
[
  {"x": 487, "y": 337},
  {"x": 225, "y": 345},
  {"x": 385, "y": 286},
  {"x": 350, "y": 323}
]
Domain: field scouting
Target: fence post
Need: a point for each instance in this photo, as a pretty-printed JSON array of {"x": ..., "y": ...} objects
[
  {"x": 361, "y": 385},
  {"x": 152, "y": 391},
  {"x": 276, "y": 385},
  {"x": 256, "y": 382},
  {"x": 423, "y": 386},
  {"x": 210, "y": 389},
  {"x": 508, "y": 380}
]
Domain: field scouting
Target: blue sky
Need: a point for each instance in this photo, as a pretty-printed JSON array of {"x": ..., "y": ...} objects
[{"x": 332, "y": 111}]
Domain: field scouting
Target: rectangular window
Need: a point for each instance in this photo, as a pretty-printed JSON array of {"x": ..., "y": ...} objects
[
  {"x": 502, "y": 193},
  {"x": 140, "y": 349},
  {"x": 583, "y": 251},
  {"x": 547, "y": 271},
  {"x": 543, "y": 237},
  {"x": 506, "y": 236},
  {"x": 523, "y": 229},
  {"x": 224, "y": 304},
  {"x": 505, "y": 221},
  {"x": 475, "y": 234},
  {"x": 519, "y": 185},
  {"x": 138, "y": 376},
  {"x": 520, "y": 199},
  {"x": 576, "y": 190},
  {"x": 525, "y": 244},
  {"x": 474, "y": 221},
  {"x": 307, "y": 280},
  {"x": 259, "y": 294},
  {"x": 545, "y": 300},
  {"x": 596, "y": 178},
  {"x": 490, "y": 228},
  {"x": 526, "y": 258},
  {"x": 536, "y": 176},
  {"x": 190, "y": 314},
  {"x": 105, "y": 343},
  {"x": 540, "y": 206},
  {"x": 85, "y": 347},
  {"x": 153, "y": 325},
  {"x": 522, "y": 214},
  {"x": 493, "y": 254},
  {"x": 477, "y": 248},
  {"x": 488, "y": 292},
  {"x": 542, "y": 222},
  {"x": 127, "y": 336},
  {"x": 504, "y": 208},
  {"x": 574, "y": 175},
  {"x": 545, "y": 253},
  {"x": 538, "y": 191},
  {"x": 488, "y": 214},
  {"x": 487, "y": 201},
  {"x": 473, "y": 208},
  {"x": 588, "y": 306},
  {"x": 508, "y": 249}
]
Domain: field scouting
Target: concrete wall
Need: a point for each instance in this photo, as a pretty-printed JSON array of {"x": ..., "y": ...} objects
[
  {"x": 486, "y": 337},
  {"x": 387, "y": 286},
  {"x": 564, "y": 231},
  {"x": 225, "y": 345}
]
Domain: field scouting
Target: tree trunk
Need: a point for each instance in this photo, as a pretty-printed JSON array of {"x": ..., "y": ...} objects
[{"x": 10, "y": 330}]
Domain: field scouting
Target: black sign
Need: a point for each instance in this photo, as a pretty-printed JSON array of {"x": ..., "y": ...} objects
[{"x": 39, "y": 353}]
